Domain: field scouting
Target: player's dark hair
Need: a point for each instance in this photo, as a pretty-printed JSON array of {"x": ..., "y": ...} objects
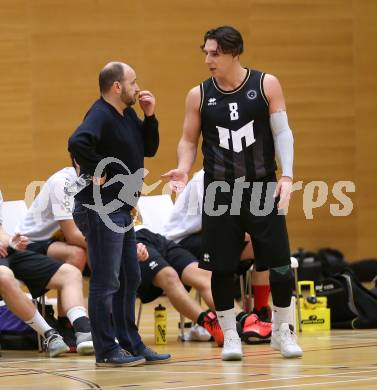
[{"x": 228, "y": 39}]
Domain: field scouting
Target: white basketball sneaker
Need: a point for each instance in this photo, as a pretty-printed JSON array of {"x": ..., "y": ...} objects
[
  {"x": 196, "y": 333},
  {"x": 284, "y": 340},
  {"x": 232, "y": 349}
]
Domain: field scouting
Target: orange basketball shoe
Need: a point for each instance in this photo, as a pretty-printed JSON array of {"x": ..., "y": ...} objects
[
  {"x": 212, "y": 325},
  {"x": 254, "y": 330}
]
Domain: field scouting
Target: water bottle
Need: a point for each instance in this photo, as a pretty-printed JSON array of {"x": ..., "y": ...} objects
[
  {"x": 160, "y": 319},
  {"x": 79, "y": 184}
]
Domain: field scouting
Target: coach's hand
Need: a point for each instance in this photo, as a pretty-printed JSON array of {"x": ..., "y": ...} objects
[
  {"x": 147, "y": 102},
  {"x": 283, "y": 189},
  {"x": 142, "y": 252}
]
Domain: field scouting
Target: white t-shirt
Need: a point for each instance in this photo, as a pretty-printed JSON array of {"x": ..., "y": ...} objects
[
  {"x": 51, "y": 205},
  {"x": 186, "y": 216}
]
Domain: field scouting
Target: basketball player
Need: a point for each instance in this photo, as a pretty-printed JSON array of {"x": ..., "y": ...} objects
[{"x": 242, "y": 117}]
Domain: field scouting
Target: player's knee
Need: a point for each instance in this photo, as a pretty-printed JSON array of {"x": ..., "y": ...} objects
[
  {"x": 281, "y": 283},
  {"x": 167, "y": 278},
  {"x": 73, "y": 273},
  {"x": 7, "y": 279},
  {"x": 202, "y": 281},
  {"x": 78, "y": 257},
  {"x": 281, "y": 275},
  {"x": 67, "y": 274}
]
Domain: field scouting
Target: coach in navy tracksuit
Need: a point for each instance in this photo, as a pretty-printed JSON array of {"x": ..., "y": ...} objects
[{"x": 111, "y": 129}]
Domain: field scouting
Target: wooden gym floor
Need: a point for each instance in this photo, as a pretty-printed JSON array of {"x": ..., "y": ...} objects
[{"x": 332, "y": 360}]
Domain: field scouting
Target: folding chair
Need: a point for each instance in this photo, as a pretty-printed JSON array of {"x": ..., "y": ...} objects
[
  {"x": 13, "y": 213},
  {"x": 294, "y": 266},
  {"x": 155, "y": 211}
]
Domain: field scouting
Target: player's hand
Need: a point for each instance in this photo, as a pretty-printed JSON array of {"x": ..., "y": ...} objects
[
  {"x": 142, "y": 252},
  {"x": 18, "y": 242},
  {"x": 3, "y": 250},
  {"x": 99, "y": 181},
  {"x": 147, "y": 102},
  {"x": 283, "y": 189},
  {"x": 178, "y": 179}
]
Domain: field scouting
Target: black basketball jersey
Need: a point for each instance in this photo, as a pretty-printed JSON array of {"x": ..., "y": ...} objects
[{"x": 237, "y": 138}]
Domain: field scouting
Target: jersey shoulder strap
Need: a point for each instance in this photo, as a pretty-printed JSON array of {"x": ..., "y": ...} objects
[
  {"x": 203, "y": 88},
  {"x": 262, "y": 75},
  {"x": 256, "y": 79}
]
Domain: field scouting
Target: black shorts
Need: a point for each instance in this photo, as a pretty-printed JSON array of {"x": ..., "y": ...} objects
[
  {"x": 162, "y": 253},
  {"x": 256, "y": 213},
  {"x": 193, "y": 243},
  {"x": 33, "y": 269},
  {"x": 40, "y": 246}
]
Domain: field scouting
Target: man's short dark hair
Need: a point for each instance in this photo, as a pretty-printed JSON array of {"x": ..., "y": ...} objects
[
  {"x": 109, "y": 75},
  {"x": 228, "y": 39}
]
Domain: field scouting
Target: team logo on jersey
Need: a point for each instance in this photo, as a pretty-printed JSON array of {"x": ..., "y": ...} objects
[
  {"x": 206, "y": 257},
  {"x": 251, "y": 94},
  {"x": 245, "y": 133},
  {"x": 152, "y": 265},
  {"x": 212, "y": 101}
]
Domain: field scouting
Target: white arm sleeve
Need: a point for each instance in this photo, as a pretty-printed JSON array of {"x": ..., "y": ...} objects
[{"x": 283, "y": 141}]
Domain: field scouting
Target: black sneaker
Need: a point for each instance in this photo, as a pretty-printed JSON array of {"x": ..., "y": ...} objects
[
  {"x": 264, "y": 314},
  {"x": 152, "y": 357},
  {"x": 120, "y": 358}
]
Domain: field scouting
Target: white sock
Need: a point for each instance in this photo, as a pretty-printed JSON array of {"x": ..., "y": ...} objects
[
  {"x": 280, "y": 316},
  {"x": 38, "y": 323},
  {"x": 76, "y": 312},
  {"x": 227, "y": 320}
]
